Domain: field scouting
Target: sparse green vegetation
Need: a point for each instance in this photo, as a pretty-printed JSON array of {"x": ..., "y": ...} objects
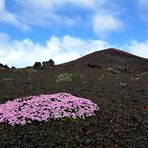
[{"x": 65, "y": 77}]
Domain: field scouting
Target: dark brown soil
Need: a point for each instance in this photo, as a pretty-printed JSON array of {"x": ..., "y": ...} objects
[{"x": 121, "y": 122}]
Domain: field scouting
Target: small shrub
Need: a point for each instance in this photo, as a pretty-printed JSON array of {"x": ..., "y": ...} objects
[{"x": 64, "y": 78}]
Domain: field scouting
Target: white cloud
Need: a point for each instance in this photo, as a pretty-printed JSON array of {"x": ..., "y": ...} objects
[
  {"x": 10, "y": 18},
  {"x": 106, "y": 23},
  {"x": 138, "y": 48},
  {"x": 25, "y": 52},
  {"x": 53, "y": 4},
  {"x": 143, "y": 3},
  {"x": 6, "y": 16},
  {"x": 47, "y": 13}
]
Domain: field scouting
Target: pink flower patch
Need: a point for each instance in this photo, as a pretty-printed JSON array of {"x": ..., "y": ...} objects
[{"x": 44, "y": 107}]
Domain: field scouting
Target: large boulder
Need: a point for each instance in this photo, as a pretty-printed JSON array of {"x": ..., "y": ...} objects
[
  {"x": 13, "y": 67},
  {"x": 37, "y": 65},
  {"x": 48, "y": 64},
  {"x": 3, "y": 66},
  {"x": 6, "y": 67}
]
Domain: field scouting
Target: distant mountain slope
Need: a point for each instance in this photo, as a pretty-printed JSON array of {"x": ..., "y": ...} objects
[{"x": 111, "y": 57}]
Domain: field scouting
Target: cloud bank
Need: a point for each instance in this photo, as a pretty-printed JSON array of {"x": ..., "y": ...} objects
[
  {"x": 21, "y": 53},
  {"x": 138, "y": 48},
  {"x": 25, "y": 52}
]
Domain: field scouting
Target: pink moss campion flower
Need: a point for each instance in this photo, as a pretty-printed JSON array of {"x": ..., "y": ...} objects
[{"x": 43, "y": 107}]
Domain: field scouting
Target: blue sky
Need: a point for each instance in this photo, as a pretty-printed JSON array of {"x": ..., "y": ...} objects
[{"x": 64, "y": 30}]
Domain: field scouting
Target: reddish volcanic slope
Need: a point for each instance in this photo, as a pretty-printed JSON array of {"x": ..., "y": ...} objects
[{"x": 113, "y": 57}]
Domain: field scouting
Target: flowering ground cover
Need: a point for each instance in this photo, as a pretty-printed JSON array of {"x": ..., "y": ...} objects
[{"x": 43, "y": 107}]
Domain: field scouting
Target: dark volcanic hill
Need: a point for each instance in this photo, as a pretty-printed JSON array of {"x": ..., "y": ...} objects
[{"x": 113, "y": 57}]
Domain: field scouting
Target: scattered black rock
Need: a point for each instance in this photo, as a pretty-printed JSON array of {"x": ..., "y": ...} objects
[
  {"x": 116, "y": 69},
  {"x": 92, "y": 65},
  {"x": 121, "y": 68}
]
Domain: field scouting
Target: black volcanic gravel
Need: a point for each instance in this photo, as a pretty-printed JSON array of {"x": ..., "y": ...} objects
[{"x": 121, "y": 122}]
